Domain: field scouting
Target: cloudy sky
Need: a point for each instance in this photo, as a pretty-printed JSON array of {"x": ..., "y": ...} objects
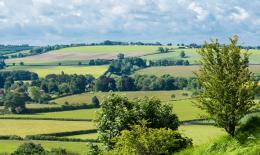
[{"x": 42, "y": 22}]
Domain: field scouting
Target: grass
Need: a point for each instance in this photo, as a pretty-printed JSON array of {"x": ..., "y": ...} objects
[
  {"x": 193, "y": 57},
  {"x": 186, "y": 110},
  {"x": 182, "y": 71},
  {"x": 201, "y": 134},
  {"x": 32, "y": 127},
  {"x": 112, "y": 49},
  {"x": 11, "y": 145},
  {"x": 86, "y": 97},
  {"x": 42, "y": 71},
  {"x": 85, "y": 136},
  {"x": 73, "y": 114},
  {"x": 73, "y": 55}
]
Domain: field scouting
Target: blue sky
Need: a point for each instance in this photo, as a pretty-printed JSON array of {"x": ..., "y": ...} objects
[{"x": 41, "y": 22}]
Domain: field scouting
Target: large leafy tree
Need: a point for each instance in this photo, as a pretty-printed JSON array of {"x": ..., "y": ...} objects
[
  {"x": 117, "y": 113},
  {"x": 228, "y": 87}
]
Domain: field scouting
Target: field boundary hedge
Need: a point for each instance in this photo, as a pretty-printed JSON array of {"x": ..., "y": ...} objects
[{"x": 54, "y": 119}]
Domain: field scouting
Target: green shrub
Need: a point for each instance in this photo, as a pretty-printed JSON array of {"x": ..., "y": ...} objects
[
  {"x": 141, "y": 140},
  {"x": 29, "y": 149}
]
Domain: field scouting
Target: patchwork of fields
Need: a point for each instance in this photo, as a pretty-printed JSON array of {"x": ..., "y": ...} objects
[
  {"x": 86, "y": 53},
  {"x": 83, "y": 119}
]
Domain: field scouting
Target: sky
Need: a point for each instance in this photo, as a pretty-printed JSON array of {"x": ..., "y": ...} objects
[{"x": 41, "y": 22}]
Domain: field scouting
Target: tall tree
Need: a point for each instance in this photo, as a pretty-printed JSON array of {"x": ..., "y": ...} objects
[{"x": 228, "y": 87}]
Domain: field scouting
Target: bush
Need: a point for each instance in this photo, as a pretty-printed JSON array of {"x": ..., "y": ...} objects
[
  {"x": 29, "y": 149},
  {"x": 60, "y": 151},
  {"x": 143, "y": 140},
  {"x": 95, "y": 102}
]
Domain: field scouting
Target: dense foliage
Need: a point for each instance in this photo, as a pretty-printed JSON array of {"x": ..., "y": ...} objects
[
  {"x": 141, "y": 140},
  {"x": 118, "y": 113},
  {"x": 64, "y": 83},
  {"x": 8, "y": 77},
  {"x": 228, "y": 87},
  {"x": 145, "y": 82}
]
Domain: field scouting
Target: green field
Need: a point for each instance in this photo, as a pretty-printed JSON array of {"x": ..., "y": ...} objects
[
  {"x": 201, "y": 134},
  {"x": 42, "y": 71},
  {"x": 185, "y": 110},
  {"x": 73, "y": 55},
  {"x": 193, "y": 57},
  {"x": 85, "y": 136},
  {"x": 73, "y": 114},
  {"x": 33, "y": 127},
  {"x": 10, "y": 145},
  {"x": 182, "y": 71},
  {"x": 86, "y": 97}
]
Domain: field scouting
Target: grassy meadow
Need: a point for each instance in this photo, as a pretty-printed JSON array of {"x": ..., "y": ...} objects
[
  {"x": 86, "y": 97},
  {"x": 182, "y": 71},
  {"x": 72, "y": 114},
  {"x": 33, "y": 127},
  {"x": 42, "y": 71},
  {"x": 79, "y": 147}
]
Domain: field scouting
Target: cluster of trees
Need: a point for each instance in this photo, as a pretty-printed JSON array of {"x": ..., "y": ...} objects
[
  {"x": 8, "y": 49},
  {"x": 165, "y": 62},
  {"x": 2, "y": 62},
  {"x": 64, "y": 83},
  {"x": 109, "y": 42},
  {"x": 96, "y": 62},
  {"x": 145, "y": 82},
  {"x": 164, "y": 50},
  {"x": 7, "y": 78},
  {"x": 133, "y": 127},
  {"x": 126, "y": 66}
]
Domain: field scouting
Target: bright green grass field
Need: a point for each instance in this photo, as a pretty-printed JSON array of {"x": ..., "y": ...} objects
[
  {"x": 73, "y": 114},
  {"x": 182, "y": 71},
  {"x": 86, "y": 97},
  {"x": 112, "y": 49},
  {"x": 11, "y": 145},
  {"x": 32, "y": 127},
  {"x": 42, "y": 71},
  {"x": 85, "y": 136},
  {"x": 201, "y": 134},
  {"x": 193, "y": 56},
  {"x": 186, "y": 110}
]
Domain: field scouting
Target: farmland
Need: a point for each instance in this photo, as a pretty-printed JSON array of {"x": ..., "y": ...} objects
[
  {"x": 86, "y": 97},
  {"x": 10, "y": 145},
  {"x": 33, "y": 127},
  {"x": 182, "y": 71},
  {"x": 81, "y": 53},
  {"x": 42, "y": 71}
]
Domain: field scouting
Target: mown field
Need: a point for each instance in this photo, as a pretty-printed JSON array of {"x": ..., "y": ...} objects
[
  {"x": 33, "y": 127},
  {"x": 10, "y": 145},
  {"x": 42, "y": 71},
  {"x": 182, "y": 71},
  {"x": 82, "y": 53},
  {"x": 86, "y": 97},
  {"x": 193, "y": 56}
]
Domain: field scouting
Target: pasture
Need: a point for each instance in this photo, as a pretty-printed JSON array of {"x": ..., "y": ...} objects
[
  {"x": 193, "y": 57},
  {"x": 42, "y": 71},
  {"x": 10, "y": 145},
  {"x": 82, "y": 53},
  {"x": 182, "y": 71},
  {"x": 201, "y": 134},
  {"x": 33, "y": 127},
  {"x": 86, "y": 97},
  {"x": 72, "y": 114}
]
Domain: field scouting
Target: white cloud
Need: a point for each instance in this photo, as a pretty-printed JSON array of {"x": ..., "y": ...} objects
[
  {"x": 90, "y": 20},
  {"x": 239, "y": 15},
  {"x": 2, "y": 4},
  {"x": 201, "y": 13}
]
